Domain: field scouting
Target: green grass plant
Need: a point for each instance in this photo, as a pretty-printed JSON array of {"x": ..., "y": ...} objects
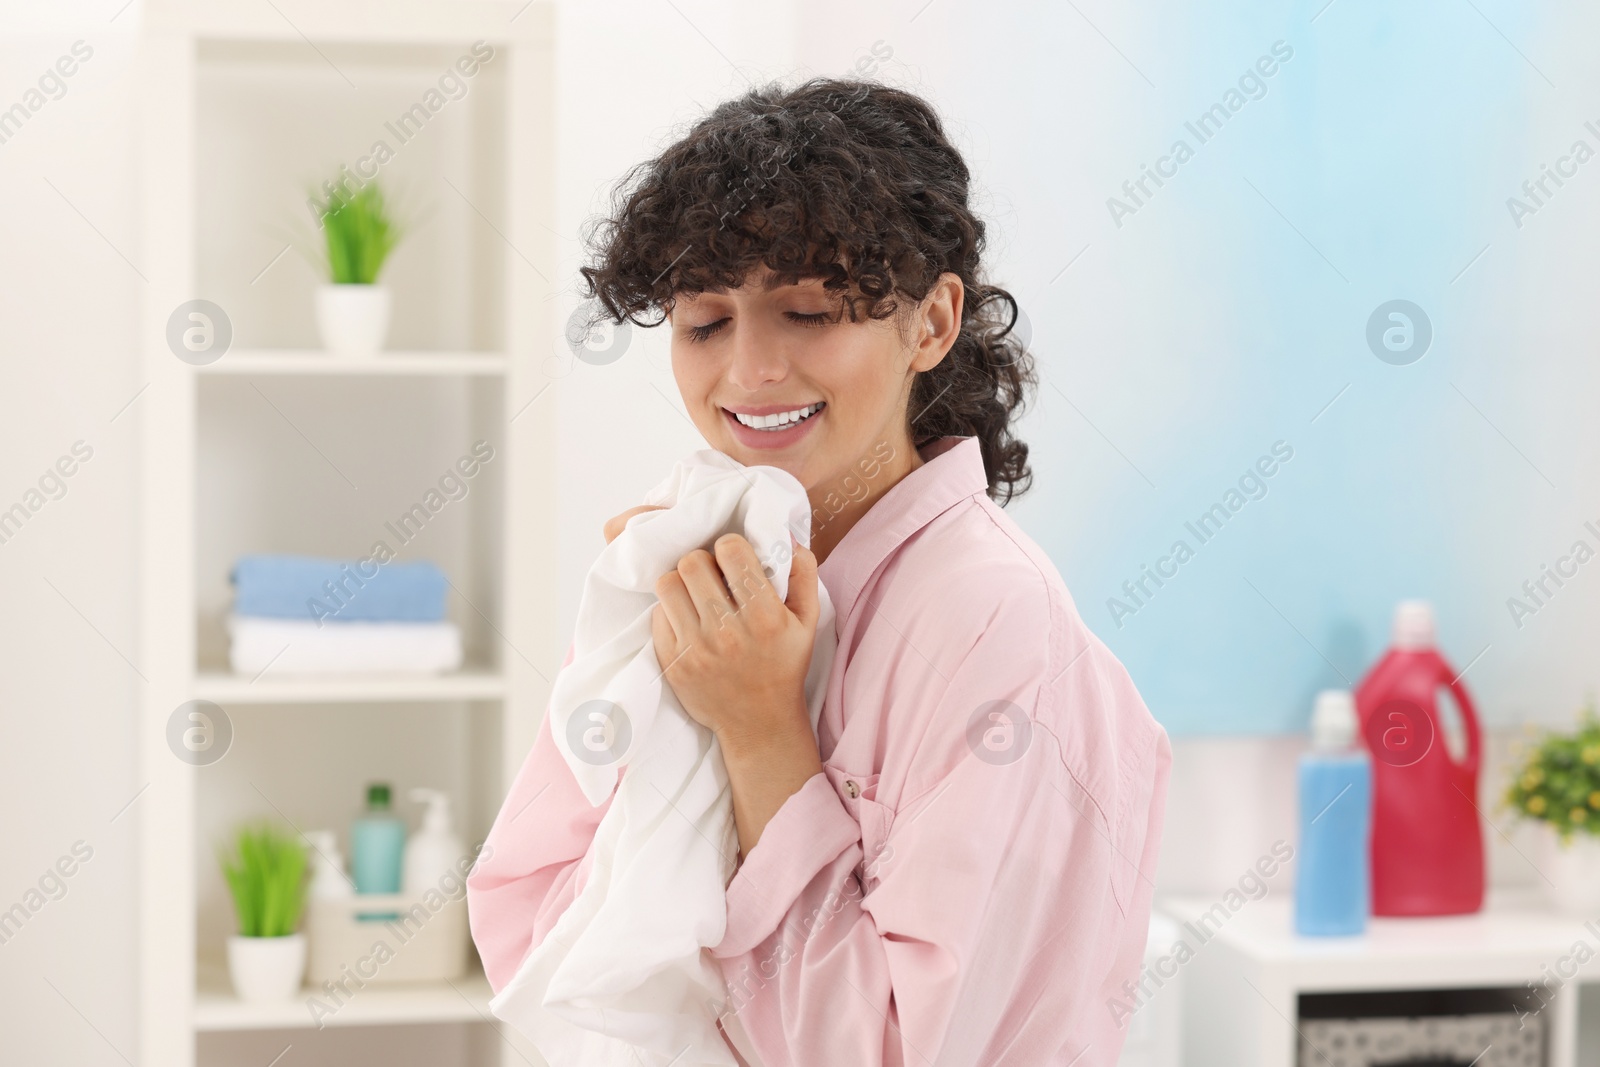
[
  {"x": 359, "y": 233},
  {"x": 266, "y": 873}
]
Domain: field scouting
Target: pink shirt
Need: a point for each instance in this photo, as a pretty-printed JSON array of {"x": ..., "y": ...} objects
[{"x": 954, "y": 887}]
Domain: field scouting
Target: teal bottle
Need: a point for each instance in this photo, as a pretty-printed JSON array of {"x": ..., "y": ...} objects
[
  {"x": 377, "y": 846},
  {"x": 1332, "y": 888}
]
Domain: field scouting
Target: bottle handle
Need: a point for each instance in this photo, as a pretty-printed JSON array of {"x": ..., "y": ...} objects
[{"x": 1469, "y": 716}]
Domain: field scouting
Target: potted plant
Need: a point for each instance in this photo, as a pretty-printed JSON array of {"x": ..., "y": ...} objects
[
  {"x": 1558, "y": 786},
  {"x": 266, "y": 874},
  {"x": 358, "y": 235}
]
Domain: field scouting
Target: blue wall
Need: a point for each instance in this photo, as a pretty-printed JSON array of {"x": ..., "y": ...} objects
[{"x": 1228, "y": 311}]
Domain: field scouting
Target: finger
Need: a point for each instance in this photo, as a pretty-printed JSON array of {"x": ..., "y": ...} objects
[
  {"x": 741, "y": 570},
  {"x": 615, "y": 524},
  {"x": 803, "y": 599},
  {"x": 663, "y": 637},
  {"x": 703, "y": 580},
  {"x": 678, "y": 607}
]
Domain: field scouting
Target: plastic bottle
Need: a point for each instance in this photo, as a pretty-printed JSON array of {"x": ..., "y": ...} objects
[
  {"x": 1427, "y": 835},
  {"x": 377, "y": 842},
  {"x": 1331, "y": 890},
  {"x": 328, "y": 877},
  {"x": 434, "y": 850}
]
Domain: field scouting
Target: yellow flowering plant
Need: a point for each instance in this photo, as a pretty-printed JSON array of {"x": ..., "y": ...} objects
[{"x": 1559, "y": 781}]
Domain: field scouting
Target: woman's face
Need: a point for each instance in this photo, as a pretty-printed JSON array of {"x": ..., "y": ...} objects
[{"x": 821, "y": 390}]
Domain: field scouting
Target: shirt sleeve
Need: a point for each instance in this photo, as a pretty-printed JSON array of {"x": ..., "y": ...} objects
[
  {"x": 985, "y": 926},
  {"x": 533, "y": 862}
]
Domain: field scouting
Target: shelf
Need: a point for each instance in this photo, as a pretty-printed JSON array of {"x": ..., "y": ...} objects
[
  {"x": 1511, "y": 937},
  {"x": 222, "y": 688},
  {"x": 313, "y": 361},
  {"x": 466, "y": 999}
]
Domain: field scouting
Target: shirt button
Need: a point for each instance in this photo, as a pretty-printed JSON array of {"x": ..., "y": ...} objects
[{"x": 851, "y": 788}]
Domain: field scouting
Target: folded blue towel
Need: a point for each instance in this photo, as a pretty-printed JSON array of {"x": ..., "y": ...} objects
[{"x": 304, "y": 587}]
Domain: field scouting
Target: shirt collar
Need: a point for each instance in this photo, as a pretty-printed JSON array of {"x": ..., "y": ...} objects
[{"x": 951, "y": 471}]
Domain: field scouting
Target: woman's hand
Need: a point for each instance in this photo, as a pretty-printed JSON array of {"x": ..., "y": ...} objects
[
  {"x": 736, "y": 655},
  {"x": 738, "y": 666}
]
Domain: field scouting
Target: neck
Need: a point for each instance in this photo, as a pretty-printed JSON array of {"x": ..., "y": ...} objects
[{"x": 838, "y": 503}]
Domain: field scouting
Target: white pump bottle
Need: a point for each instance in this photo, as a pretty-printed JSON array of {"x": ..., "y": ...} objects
[{"x": 434, "y": 850}]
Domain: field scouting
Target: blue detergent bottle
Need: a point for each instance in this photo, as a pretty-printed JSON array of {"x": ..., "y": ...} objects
[{"x": 1332, "y": 889}]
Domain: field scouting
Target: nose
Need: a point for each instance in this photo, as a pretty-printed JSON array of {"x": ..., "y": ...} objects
[{"x": 755, "y": 359}]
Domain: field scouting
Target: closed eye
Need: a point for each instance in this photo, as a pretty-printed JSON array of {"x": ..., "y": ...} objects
[{"x": 702, "y": 333}]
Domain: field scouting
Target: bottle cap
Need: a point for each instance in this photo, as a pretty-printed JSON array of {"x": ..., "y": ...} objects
[
  {"x": 378, "y": 795},
  {"x": 1333, "y": 720},
  {"x": 1413, "y": 625}
]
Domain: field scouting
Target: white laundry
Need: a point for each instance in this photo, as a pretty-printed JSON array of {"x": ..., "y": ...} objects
[{"x": 625, "y": 976}]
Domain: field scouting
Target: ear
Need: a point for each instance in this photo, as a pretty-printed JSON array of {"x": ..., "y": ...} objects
[{"x": 937, "y": 322}]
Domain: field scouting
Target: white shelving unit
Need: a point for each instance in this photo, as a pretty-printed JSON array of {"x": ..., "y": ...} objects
[
  {"x": 277, "y": 446},
  {"x": 1242, "y": 986}
]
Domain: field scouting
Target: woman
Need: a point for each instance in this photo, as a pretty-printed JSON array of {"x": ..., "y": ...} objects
[{"x": 957, "y": 867}]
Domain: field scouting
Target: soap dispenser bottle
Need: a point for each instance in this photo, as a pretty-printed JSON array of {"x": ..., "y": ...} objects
[
  {"x": 377, "y": 840},
  {"x": 1332, "y": 889},
  {"x": 434, "y": 850}
]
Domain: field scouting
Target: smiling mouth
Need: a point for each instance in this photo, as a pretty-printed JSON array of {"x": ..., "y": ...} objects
[{"x": 780, "y": 420}]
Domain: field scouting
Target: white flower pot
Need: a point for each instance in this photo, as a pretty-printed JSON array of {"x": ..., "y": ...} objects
[
  {"x": 266, "y": 970},
  {"x": 1571, "y": 872},
  {"x": 353, "y": 319}
]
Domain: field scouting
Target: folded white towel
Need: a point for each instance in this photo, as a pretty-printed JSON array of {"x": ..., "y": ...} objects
[
  {"x": 299, "y": 646},
  {"x": 624, "y": 977}
]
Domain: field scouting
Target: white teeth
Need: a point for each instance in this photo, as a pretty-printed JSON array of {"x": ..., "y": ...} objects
[{"x": 778, "y": 421}]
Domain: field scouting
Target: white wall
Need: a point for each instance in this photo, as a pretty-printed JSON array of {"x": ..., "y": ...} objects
[{"x": 69, "y": 300}]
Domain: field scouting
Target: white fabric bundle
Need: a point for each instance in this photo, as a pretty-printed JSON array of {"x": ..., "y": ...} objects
[
  {"x": 302, "y": 646},
  {"x": 624, "y": 977}
]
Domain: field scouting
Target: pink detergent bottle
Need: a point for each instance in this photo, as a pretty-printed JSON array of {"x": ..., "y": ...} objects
[{"x": 1427, "y": 835}]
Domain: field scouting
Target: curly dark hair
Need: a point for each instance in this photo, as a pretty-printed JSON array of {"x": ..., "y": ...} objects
[{"x": 849, "y": 181}]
